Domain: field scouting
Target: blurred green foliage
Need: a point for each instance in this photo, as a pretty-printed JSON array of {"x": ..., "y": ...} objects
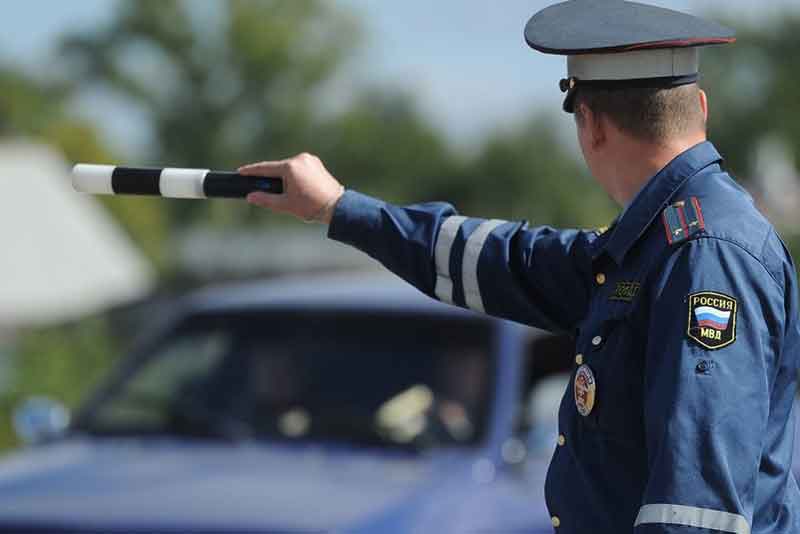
[
  {"x": 241, "y": 83},
  {"x": 62, "y": 363},
  {"x": 37, "y": 108},
  {"x": 236, "y": 86},
  {"x": 754, "y": 94},
  {"x": 754, "y": 89},
  {"x": 243, "y": 87}
]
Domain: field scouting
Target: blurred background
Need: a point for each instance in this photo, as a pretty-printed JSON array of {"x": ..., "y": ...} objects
[{"x": 409, "y": 101}]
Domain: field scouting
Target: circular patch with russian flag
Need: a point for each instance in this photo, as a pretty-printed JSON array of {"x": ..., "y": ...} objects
[
  {"x": 712, "y": 319},
  {"x": 585, "y": 390}
]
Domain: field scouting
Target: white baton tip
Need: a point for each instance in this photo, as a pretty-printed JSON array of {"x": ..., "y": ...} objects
[
  {"x": 182, "y": 183},
  {"x": 93, "y": 179}
]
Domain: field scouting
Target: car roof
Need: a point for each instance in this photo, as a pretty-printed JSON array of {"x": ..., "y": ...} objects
[{"x": 346, "y": 292}]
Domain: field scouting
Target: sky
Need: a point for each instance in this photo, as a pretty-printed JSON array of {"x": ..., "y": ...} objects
[{"x": 465, "y": 60}]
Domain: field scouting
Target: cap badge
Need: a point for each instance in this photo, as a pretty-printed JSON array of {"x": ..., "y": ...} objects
[{"x": 585, "y": 390}]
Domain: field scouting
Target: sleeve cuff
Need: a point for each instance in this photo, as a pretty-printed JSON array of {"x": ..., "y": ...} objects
[{"x": 355, "y": 216}]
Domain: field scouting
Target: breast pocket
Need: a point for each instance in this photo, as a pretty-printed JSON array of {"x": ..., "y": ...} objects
[{"x": 617, "y": 364}]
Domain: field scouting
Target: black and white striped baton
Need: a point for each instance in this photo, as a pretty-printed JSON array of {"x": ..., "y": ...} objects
[{"x": 169, "y": 182}]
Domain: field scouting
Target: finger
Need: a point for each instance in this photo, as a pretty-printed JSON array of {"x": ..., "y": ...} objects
[
  {"x": 267, "y": 168},
  {"x": 263, "y": 200},
  {"x": 259, "y": 199}
]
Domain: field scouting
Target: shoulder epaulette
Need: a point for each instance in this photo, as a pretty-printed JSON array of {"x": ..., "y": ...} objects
[{"x": 682, "y": 220}]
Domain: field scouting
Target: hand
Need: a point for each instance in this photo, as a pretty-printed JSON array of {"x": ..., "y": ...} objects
[{"x": 309, "y": 191}]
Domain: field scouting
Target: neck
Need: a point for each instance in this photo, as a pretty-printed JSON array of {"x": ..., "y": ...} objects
[{"x": 637, "y": 162}]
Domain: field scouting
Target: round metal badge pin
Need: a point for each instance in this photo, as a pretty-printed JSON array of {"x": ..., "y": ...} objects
[{"x": 585, "y": 390}]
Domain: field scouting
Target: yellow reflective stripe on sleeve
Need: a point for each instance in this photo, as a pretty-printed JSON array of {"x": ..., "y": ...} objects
[
  {"x": 691, "y": 516},
  {"x": 472, "y": 255},
  {"x": 444, "y": 247}
]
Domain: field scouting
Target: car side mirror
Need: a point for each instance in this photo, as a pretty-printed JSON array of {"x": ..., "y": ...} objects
[{"x": 39, "y": 419}]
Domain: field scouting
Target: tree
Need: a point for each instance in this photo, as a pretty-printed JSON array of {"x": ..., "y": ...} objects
[
  {"x": 753, "y": 88},
  {"x": 38, "y": 109},
  {"x": 528, "y": 173},
  {"x": 237, "y": 87},
  {"x": 384, "y": 146}
]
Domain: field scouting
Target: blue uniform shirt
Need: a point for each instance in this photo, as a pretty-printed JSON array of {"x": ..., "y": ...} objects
[{"x": 679, "y": 416}]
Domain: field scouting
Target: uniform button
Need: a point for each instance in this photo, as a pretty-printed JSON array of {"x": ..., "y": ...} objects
[
  {"x": 596, "y": 340},
  {"x": 561, "y": 440},
  {"x": 579, "y": 359},
  {"x": 556, "y": 521},
  {"x": 600, "y": 278}
]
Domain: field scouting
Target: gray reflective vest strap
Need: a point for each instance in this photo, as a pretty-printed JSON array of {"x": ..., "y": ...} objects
[
  {"x": 472, "y": 255},
  {"x": 691, "y": 516},
  {"x": 444, "y": 247}
]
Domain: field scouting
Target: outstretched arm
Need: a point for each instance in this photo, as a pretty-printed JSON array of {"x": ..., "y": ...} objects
[{"x": 534, "y": 276}]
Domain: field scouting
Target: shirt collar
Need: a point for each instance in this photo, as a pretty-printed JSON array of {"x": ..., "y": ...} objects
[
  {"x": 633, "y": 200},
  {"x": 654, "y": 197}
]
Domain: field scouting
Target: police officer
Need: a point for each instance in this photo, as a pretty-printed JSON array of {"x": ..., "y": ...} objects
[{"x": 678, "y": 419}]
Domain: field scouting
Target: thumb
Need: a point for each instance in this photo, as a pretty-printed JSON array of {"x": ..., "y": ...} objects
[{"x": 265, "y": 168}]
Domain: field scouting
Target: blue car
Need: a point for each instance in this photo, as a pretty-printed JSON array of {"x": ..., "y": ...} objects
[{"x": 346, "y": 405}]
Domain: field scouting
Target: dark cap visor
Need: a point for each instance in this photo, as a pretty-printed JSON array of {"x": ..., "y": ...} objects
[{"x": 570, "y": 86}]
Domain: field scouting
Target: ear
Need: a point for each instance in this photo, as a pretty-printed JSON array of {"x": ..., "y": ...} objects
[
  {"x": 594, "y": 126},
  {"x": 703, "y": 104}
]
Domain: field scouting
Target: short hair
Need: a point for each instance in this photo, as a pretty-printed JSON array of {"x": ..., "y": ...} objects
[{"x": 651, "y": 114}]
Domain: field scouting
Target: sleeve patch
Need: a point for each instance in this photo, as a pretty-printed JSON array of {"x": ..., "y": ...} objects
[
  {"x": 682, "y": 220},
  {"x": 712, "y": 319}
]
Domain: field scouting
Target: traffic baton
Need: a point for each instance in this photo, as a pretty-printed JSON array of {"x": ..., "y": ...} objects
[{"x": 169, "y": 182}]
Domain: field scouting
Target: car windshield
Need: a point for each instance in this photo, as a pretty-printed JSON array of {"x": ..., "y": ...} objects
[{"x": 361, "y": 378}]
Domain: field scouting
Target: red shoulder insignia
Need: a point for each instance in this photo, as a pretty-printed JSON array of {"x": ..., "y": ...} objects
[{"x": 682, "y": 220}]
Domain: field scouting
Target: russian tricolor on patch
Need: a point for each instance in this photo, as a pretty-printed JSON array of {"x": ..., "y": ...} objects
[{"x": 712, "y": 319}]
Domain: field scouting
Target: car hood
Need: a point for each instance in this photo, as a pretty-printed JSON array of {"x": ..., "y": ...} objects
[{"x": 135, "y": 483}]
